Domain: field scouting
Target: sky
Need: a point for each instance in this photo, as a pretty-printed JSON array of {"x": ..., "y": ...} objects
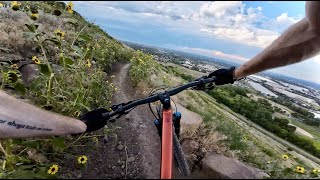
[{"x": 229, "y": 30}]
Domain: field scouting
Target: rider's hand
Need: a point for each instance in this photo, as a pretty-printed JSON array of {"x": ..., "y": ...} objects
[
  {"x": 223, "y": 76},
  {"x": 94, "y": 119}
]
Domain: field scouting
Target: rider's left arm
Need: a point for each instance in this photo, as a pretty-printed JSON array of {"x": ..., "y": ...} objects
[{"x": 19, "y": 119}]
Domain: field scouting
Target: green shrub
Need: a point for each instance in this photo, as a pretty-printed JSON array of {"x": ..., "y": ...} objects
[
  {"x": 261, "y": 113},
  {"x": 142, "y": 67}
]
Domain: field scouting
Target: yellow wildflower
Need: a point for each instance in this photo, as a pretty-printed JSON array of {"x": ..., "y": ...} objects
[
  {"x": 268, "y": 162},
  {"x": 36, "y": 59},
  {"x": 315, "y": 171},
  {"x": 164, "y": 77},
  {"x": 15, "y": 5},
  {"x": 14, "y": 66},
  {"x": 53, "y": 169},
  {"x": 76, "y": 114},
  {"x": 82, "y": 159},
  {"x": 1, "y": 5},
  {"x": 285, "y": 157},
  {"x": 300, "y": 169},
  {"x": 88, "y": 63},
  {"x": 34, "y": 16},
  {"x": 69, "y": 7},
  {"x": 95, "y": 139},
  {"x": 59, "y": 33}
]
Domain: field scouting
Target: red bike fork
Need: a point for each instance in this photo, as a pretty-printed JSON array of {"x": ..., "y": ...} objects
[{"x": 166, "y": 144}]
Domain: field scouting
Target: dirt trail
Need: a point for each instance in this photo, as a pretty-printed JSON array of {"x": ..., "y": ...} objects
[{"x": 132, "y": 150}]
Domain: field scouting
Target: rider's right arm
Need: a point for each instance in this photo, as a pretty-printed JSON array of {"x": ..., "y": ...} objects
[
  {"x": 301, "y": 41},
  {"x": 19, "y": 119}
]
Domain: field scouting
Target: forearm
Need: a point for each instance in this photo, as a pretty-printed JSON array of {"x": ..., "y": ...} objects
[
  {"x": 298, "y": 43},
  {"x": 19, "y": 120}
]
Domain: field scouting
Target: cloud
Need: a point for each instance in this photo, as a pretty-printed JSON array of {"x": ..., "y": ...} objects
[
  {"x": 281, "y": 23},
  {"x": 173, "y": 10},
  {"x": 228, "y": 20},
  {"x": 218, "y": 10},
  {"x": 234, "y": 21},
  {"x": 213, "y": 53},
  {"x": 316, "y": 59}
]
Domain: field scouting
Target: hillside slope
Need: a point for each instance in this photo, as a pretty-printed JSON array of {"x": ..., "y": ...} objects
[{"x": 53, "y": 58}]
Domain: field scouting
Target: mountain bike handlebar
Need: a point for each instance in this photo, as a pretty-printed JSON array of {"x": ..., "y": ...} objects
[{"x": 122, "y": 108}]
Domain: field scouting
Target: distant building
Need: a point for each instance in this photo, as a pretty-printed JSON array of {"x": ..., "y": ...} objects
[{"x": 187, "y": 64}]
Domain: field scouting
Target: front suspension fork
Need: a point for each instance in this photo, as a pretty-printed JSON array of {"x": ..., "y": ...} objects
[{"x": 176, "y": 117}]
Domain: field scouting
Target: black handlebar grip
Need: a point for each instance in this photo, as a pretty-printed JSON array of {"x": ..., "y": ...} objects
[{"x": 95, "y": 119}]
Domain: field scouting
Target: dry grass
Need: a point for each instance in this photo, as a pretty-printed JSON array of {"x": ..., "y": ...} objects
[
  {"x": 208, "y": 139},
  {"x": 12, "y": 26}
]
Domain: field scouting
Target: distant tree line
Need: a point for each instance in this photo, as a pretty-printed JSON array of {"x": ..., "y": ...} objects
[
  {"x": 299, "y": 113},
  {"x": 260, "y": 112}
]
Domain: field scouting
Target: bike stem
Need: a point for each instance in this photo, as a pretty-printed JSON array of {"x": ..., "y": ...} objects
[{"x": 165, "y": 100}]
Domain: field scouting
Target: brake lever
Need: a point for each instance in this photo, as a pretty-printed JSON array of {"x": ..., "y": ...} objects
[
  {"x": 202, "y": 86},
  {"x": 119, "y": 108}
]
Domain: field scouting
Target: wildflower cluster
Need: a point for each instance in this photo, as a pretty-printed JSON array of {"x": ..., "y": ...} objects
[
  {"x": 54, "y": 168},
  {"x": 142, "y": 66}
]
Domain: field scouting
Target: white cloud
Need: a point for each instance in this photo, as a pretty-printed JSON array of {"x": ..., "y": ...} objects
[
  {"x": 316, "y": 59},
  {"x": 213, "y": 53},
  {"x": 285, "y": 20},
  {"x": 174, "y": 10},
  {"x": 218, "y": 10},
  {"x": 230, "y": 20},
  {"x": 281, "y": 23}
]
